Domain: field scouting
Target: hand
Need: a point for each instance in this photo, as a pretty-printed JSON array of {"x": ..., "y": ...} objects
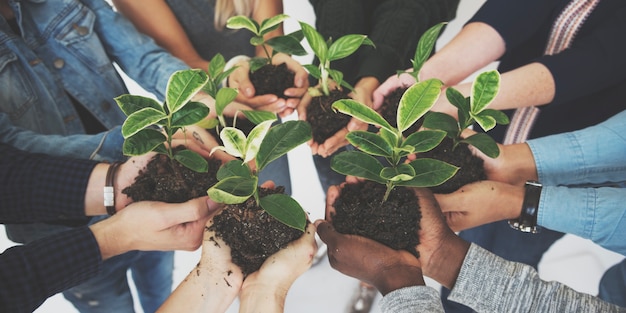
[
  {"x": 230, "y": 110},
  {"x": 300, "y": 82},
  {"x": 365, "y": 259},
  {"x": 481, "y": 203},
  {"x": 150, "y": 225},
  {"x": 198, "y": 139},
  {"x": 392, "y": 83}
]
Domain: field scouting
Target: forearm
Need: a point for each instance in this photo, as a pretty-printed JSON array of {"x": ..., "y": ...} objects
[
  {"x": 509, "y": 286},
  {"x": 55, "y": 263},
  {"x": 591, "y": 213},
  {"x": 414, "y": 299},
  {"x": 155, "y": 19},
  {"x": 261, "y": 298}
]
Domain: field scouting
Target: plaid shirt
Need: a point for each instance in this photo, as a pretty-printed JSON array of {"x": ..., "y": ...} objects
[{"x": 34, "y": 187}]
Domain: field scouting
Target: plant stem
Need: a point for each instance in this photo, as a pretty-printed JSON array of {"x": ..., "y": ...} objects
[{"x": 388, "y": 191}]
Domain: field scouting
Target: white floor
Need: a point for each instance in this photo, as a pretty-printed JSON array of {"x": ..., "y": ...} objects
[{"x": 322, "y": 289}]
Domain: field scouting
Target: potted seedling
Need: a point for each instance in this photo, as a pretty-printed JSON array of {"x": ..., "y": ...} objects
[
  {"x": 423, "y": 51},
  {"x": 257, "y": 221},
  {"x": 267, "y": 77},
  {"x": 324, "y": 121},
  {"x": 455, "y": 148},
  {"x": 381, "y": 207},
  {"x": 174, "y": 174}
]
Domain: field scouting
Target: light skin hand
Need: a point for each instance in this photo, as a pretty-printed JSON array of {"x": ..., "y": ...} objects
[
  {"x": 266, "y": 289},
  {"x": 388, "y": 86},
  {"x": 230, "y": 110},
  {"x": 480, "y": 203},
  {"x": 154, "y": 226}
]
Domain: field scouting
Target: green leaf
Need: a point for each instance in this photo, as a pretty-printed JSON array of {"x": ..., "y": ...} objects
[
  {"x": 426, "y": 45},
  {"x": 499, "y": 116},
  {"x": 219, "y": 78},
  {"x": 313, "y": 70},
  {"x": 370, "y": 143},
  {"x": 272, "y": 23},
  {"x": 233, "y": 168},
  {"x": 416, "y": 101},
  {"x": 140, "y": 120},
  {"x": 424, "y": 140},
  {"x": 316, "y": 41},
  {"x": 484, "y": 90},
  {"x": 257, "y": 40},
  {"x": 286, "y": 44},
  {"x": 392, "y": 138},
  {"x": 256, "y": 136},
  {"x": 182, "y": 86},
  {"x": 359, "y": 164},
  {"x": 258, "y": 117},
  {"x": 223, "y": 98},
  {"x": 486, "y": 122},
  {"x": 190, "y": 114},
  {"x": 361, "y": 112},
  {"x": 442, "y": 121},
  {"x": 233, "y": 190},
  {"x": 130, "y": 104},
  {"x": 142, "y": 142},
  {"x": 337, "y": 76},
  {"x": 257, "y": 62},
  {"x": 346, "y": 45},
  {"x": 192, "y": 160},
  {"x": 402, "y": 172},
  {"x": 216, "y": 65},
  {"x": 240, "y": 21},
  {"x": 484, "y": 143},
  {"x": 429, "y": 173},
  {"x": 281, "y": 139},
  {"x": 285, "y": 209},
  {"x": 234, "y": 141},
  {"x": 457, "y": 99},
  {"x": 210, "y": 88}
]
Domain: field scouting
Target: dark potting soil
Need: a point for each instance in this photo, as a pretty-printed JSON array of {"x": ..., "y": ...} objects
[
  {"x": 272, "y": 79},
  {"x": 251, "y": 233},
  {"x": 324, "y": 121},
  {"x": 471, "y": 167},
  {"x": 395, "y": 223}
]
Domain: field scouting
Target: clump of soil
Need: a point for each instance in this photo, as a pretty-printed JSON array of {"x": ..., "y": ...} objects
[
  {"x": 272, "y": 79},
  {"x": 251, "y": 233},
  {"x": 395, "y": 223},
  {"x": 389, "y": 109},
  {"x": 471, "y": 167},
  {"x": 169, "y": 181},
  {"x": 324, "y": 121}
]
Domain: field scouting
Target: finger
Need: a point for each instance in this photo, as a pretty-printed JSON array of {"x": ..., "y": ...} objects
[
  {"x": 332, "y": 144},
  {"x": 326, "y": 232},
  {"x": 268, "y": 184},
  {"x": 331, "y": 196}
]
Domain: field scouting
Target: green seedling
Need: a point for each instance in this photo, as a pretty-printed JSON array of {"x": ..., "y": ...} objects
[
  {"x": 390, "y": 144},
  {"x": 238, "y": 181},
  {"x": 288, "y": 44},
  {"x": 328, "y": 51},
  {"x": 424, "y": 49},
  {"x": 145, "y": 114},
  {"x": 472, "y": 110}
]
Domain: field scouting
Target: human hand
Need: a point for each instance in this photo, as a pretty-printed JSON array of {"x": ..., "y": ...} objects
[
  {"x": 232, "y": 109},
  {"x": 392, "y": 83},
  {"x": 150, "y": 225},
  {"x": 265, "y": 290},
  {"x": 480, "y": 203},
  {"x": 300, "y": 83},
  {"x": 365, "y": 259}
]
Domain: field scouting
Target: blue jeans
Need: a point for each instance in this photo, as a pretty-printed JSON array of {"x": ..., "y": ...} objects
[
  {"x": 327, "y": 176},
  {"x": 152, "y": 273},
  {"x": 507, "y": 243}
]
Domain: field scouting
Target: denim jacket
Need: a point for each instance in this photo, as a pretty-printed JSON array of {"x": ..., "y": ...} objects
[
  {"x": 68, "y": 48},
  {"x": 593, "y": 156}
]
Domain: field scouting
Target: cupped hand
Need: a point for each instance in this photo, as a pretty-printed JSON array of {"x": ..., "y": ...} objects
[
  {"x": 217, "y": 261},
  {"x": 481, "y": 203},
  {"x": 392, "y": 83}
]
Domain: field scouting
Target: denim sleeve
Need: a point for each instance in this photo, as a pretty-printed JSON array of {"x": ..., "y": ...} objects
[
  {"x": 106, "y": 146},
  {"x": 593, "y": 155},
  {"x": 597, "y": 214},
  {"x": 137, "y": 54}
]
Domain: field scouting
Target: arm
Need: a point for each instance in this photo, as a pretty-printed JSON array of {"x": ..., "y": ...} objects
[{"x": 155, "y": 19}]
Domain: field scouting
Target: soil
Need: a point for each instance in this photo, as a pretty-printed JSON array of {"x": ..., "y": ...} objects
[
  {"x": 272, "y": 79},
  {"x": 471, "y": 167},
  {"x": 168, "y": 181},
  {"x": 324, "y": 121},
  {"x": 252, "y": 242},
  {"x": 389, "y": 110},
  {"x": 394, "y": 223}
]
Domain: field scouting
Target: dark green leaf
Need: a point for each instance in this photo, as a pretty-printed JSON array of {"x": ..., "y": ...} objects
[
  {"x": 370, "y": 143},
  {"x": 216, "y": 65},
  {"x": 402, "y": 172},
  {"x": 313, "y": 70},
  {"x": 192, "y": 160},
  {"x": 190, "y": 114},
  {"x": 359, "y": 164},
  {"x": 287, "y": 44},
  {"x": 143, "y": 142},
  {"x": 498, "y": 116},
  {"x": 285, "y": 209},
  {"x": 131, "y": 104},
  {"x": 457, "y": 99},
  {"x": 257, "y": 117},
  {"x": 233, "y": 168},
  {"x": 442, "y": 121},
  {"x": 281, "y": 139},
  {"x": 257, "y": 62},
  {"x": 272, "y": 23},
  {"x": 140, "y": 120},
  {"x": 484, "y": 143},
  {"x": 240, "y": 21},
  {"x": 233, "y": 190},
  {"x": 429, "y": 173},
  {"x": 425, "y": 140},
  {"x": 223, "y": 98}
]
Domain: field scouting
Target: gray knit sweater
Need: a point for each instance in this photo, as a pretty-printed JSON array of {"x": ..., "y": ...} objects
[{"x": 488, "y": 283}]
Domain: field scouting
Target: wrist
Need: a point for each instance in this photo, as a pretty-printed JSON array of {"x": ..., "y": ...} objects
[
  {"x": 521, "y": 167},
  {"x": 104, "y": 232},
  {"x": 257, "y": 297},
  {"x": 94, "y": 197},
  {"x": 400, "y": 277},
  {"x": 444, "y": 264}
]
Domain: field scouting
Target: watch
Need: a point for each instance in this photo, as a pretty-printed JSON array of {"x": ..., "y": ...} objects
[{"x": 527, "y": 222}]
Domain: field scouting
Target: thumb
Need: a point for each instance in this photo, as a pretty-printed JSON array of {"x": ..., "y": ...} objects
[{"x": 326, "y": 231}]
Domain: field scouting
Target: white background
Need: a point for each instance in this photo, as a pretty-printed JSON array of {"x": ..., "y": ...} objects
[{"x": 572, "y": 260}]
